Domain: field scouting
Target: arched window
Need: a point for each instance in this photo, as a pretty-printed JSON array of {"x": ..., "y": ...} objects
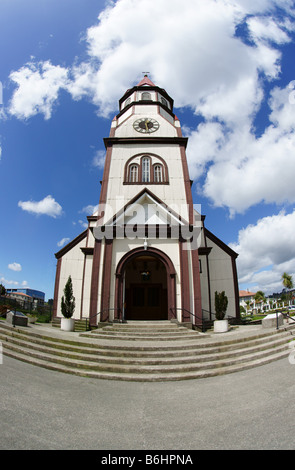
[
  {"x": 145, "y": 170},
  {"x": 133, "y": 174},
  {"x": 158, "y": 174},
  {"x": 128, "y": 101},
  {"x": 146, "y": 96},
  {"x": 164, "y": 102}
]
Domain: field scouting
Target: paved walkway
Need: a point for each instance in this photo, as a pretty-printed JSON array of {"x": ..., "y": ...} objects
[{"x": 41, "y": 409}]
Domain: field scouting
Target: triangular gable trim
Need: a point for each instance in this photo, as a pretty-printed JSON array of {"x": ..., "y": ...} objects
[
  {"x": 71, "y": 245},
  {"x": 154, "y": 200},
  {"x": 221, "y": 244}
]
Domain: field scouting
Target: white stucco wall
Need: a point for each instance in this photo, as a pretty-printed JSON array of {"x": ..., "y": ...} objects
[
  {"x": 221, "y": 276},
  {"x": 173, "y": 194},
  {"x": 72, "y": 265}
]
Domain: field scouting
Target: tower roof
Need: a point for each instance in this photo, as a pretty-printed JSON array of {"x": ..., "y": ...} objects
[{"x": 146, "y": 81}]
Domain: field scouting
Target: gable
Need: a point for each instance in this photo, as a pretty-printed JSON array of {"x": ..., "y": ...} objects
[{"x": 146, "y": 210}]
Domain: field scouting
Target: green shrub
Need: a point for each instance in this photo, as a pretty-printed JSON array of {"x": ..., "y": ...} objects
[
  {"x": 221, "y": 302},
  {"x": 68, "y": 300}
]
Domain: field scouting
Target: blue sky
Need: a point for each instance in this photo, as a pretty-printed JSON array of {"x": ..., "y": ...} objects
[{"x": 228, "y": 65}]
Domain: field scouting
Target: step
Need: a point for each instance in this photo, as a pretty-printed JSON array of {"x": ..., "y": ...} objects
[
  {"x": 149, "y": 377},
  {"x": 138, "y": 361},
  {"x": 145, "y": 331},
  {"x": 141, "y": 349},
  {"x": 143, "y": 358}
]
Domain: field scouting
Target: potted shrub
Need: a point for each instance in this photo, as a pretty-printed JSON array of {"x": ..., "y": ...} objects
[
  {"x": 67, "y": 307},
  {"x": 221, "y": 302}
]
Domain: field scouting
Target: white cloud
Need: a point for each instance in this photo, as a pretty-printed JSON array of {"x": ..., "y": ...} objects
[
  {"x": 83, "y": 224},
  {"x": 266, "y": 250},
  {"x": 63, "y": 242},
  {"x": 38, "y": 88},
  {"x": 99, "y": 159},
  {"x": 255, "y": 169},
  {"x": 47, "y": 206},
  {"x": 7, "y": 282},
  {"x": 90, "y": 209},
  {"x": 15, "y": 267}
]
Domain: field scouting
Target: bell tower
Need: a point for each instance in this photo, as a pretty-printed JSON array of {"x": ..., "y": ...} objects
[{"x": 146, "y": 149}]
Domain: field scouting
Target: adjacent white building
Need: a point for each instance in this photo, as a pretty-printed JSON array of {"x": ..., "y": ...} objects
[{"x": 146, "y": 254}]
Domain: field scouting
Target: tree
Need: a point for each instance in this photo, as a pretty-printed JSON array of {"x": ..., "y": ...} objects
[
  {"x": 68, "y": 300},
  {"x": 287, "y": 283},
  {"x": 221, "y": 302},
  {"x": 2, "y": 290},
  {"x": 259, "y": 297},
  {"x": 248, "y": 302}
]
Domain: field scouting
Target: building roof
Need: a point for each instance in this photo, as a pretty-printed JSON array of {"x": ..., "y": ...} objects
[
  {"x": 246, "y": 293},
  {"x": 19, "y": 293},
  {"x": 146, "y": 81}
]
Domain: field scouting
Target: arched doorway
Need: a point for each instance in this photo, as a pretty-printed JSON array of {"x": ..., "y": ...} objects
[
  {"x": 145, "y": 285},
  {"x": 145, "y": 289}
]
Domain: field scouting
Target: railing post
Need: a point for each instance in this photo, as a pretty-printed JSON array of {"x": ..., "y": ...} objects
[{"x": 13, "y": 317}]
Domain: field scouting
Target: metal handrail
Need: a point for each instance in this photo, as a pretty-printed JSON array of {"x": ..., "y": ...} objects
[
  {"x": 100, "y": 313},
  {"x": 198, "y": 325},
  {"x": 284, "y": 315}
]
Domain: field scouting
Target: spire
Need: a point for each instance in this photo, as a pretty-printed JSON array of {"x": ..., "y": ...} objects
[{"x": 146, "y": 81}]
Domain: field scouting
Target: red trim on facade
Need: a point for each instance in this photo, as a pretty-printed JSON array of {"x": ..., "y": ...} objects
[
  {"x": 187, "y": 184},
  {"x": 105, "y": 178},
  {"x": 56, "y": 288},
  {"x": 236, "y": 288},
  {"x": 94, "y": 282},
  {"x": 197, "y": 287},
  {"x": 106, "y": 277},
  {"x": 184, "y": 281}
]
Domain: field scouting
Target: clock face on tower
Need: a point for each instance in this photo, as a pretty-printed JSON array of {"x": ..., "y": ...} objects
[{"x": 146, "y": 125}]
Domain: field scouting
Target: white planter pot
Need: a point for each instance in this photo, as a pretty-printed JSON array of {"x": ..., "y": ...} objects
[
  {"x": 220, "y": 326},
  {"x": 67, "y": 324}
]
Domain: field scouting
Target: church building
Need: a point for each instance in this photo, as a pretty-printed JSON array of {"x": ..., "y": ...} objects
[{"x": 146, "y": 254}]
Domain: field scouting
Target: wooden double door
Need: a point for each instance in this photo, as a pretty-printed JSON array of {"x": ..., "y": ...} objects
[{"x": 146, "y": 301}]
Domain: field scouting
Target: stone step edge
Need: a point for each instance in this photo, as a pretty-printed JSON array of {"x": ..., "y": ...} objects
[
  {"x": 153, "y": 377},
  {"x": 184, "y": 358},
  {"x": 118, "y": 337},
  {"x": 188, "y": 345},
  {"x": 175, "y": 348},
  {"x": 141, "y": 356},
  {"x": 142, "y": 368}
]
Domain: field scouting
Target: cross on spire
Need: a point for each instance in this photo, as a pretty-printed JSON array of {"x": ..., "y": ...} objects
[{"x": 146, "y": 80}]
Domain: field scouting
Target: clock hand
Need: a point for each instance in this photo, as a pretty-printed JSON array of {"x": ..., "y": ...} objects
[{"x": 146, "y": 124}]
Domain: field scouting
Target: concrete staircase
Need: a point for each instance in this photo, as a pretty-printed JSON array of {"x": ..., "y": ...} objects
[{"x": 144, "y": 351}]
